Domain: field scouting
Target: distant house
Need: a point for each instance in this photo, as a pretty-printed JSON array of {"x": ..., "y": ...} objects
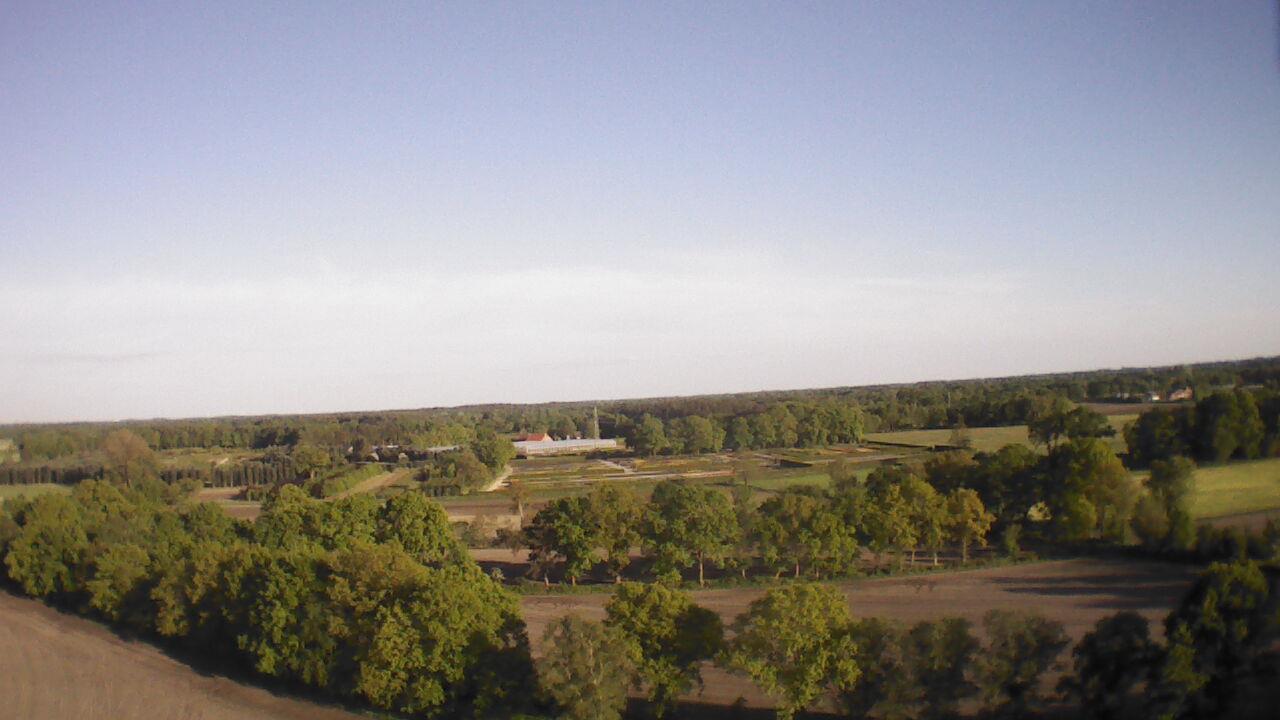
[
  {"x": 1185, "y": 393},
  {"x": 534, "y": 437}
]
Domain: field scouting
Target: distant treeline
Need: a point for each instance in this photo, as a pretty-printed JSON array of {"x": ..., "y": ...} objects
[
  {"x": 232, "y": 475},
  {"x": 942, "y": 404}
]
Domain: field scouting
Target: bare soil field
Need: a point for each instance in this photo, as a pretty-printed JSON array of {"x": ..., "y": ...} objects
[
  {"x": 1076, "y": 593},
  {"x": 59, "y": 666}
]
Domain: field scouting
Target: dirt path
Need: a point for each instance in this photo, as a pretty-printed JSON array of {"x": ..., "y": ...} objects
[{"x": 55, "y": 666}]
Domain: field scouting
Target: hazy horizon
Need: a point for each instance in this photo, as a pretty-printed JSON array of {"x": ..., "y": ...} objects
[{"x": 243, "y": 210}]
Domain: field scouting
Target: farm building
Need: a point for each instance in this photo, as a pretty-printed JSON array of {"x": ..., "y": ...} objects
[
  {"x": 533, "y": 437},
  {"x": 530, "y": 448}
]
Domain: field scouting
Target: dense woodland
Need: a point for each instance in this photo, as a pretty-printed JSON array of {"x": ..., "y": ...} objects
[{"x": 746, "y": 420}]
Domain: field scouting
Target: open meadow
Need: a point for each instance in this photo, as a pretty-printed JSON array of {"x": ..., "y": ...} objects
[{"x": 1236, "y": 488}]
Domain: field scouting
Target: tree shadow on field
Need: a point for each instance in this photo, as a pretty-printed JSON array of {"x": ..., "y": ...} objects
[{"x": 1144, "y": 592}]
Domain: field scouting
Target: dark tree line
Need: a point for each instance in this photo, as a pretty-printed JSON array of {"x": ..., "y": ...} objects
[{"x": 1224, "y": 425}]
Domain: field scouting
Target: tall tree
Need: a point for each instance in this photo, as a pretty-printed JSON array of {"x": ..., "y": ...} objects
[
  {"x": 1021, "y": 647},
  {"x": 795, "y": 643},
  {"x": 586, "y": 669},
  {"x": 1109, "y": 664},
  {"x": 128, "y": 457},
  {"x": 688, "y": 525},
  {"x": 969, "y": 520},
  {"x": 616, "y": 515},
  {"x": 941, "y": 652},
  {"x": 1223, "y": 631},
  {"x": 563, "y": 529},
  {"x": 672, "y": 635},
  {"x": 649, "y": 437}
]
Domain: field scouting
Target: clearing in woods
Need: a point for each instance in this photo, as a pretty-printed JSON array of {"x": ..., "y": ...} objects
[
  {"x": 1076, "y": 593},
  {"x": 55, "y": 666},
  {"x": 990, "y": 439},
  {"x": 1239, "y": 487}
]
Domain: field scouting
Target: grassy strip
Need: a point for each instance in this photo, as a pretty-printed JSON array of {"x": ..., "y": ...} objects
[
  {"x": 345, "y": 481},
  {"x": 32, "y": 490},
  {"x": 1238, "y": 487}
]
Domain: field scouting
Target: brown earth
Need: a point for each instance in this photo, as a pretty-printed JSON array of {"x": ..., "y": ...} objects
[
  {"x": 59, "y": 666},
  {"x": 1076, "y": 593}
]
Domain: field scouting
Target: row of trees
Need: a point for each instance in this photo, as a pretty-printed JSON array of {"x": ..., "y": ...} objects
[
  {"x": 806, "y": 531},
  {"x": 800, "y": 643},
  {"x": 1236, "y": 424},
  {"x": 782, "y": 425},
  {"x": 376, "y": 603}
]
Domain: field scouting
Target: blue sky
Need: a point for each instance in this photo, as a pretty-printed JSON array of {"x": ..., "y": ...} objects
[{"x": 308, "y": 207}]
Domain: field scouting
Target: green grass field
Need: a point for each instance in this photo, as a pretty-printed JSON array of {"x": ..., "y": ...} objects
[
  {"x": 990, "y": 439},
  {"x": 12, "y": 491},
  {"x": 1237, "y": 488}
]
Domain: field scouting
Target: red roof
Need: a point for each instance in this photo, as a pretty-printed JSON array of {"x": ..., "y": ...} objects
[{"x": 536, "y": 437}]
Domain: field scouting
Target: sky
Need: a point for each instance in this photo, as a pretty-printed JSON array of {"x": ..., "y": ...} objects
[{"x": 245, "y": 208}]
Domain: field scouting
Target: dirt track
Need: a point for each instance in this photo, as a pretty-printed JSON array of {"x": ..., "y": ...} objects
[
  {"x": 1076, "y": 593},
  {"x": 56, "y": 667}
]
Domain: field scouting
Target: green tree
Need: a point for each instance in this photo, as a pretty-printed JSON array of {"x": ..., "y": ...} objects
[
  {"x": 940, "y": 653},
  {"x": 928, "y": 514},
  {"x": 492, "y": 449},
  {"x": 650, "y": 436},
  {"x": 420, "y": 527},
  {"x": 117, "y": 582},
  {"x": 616, "y": 515},
  {"x": 968, "y": 520},
  {"x": 689, "y": 525},
  {"x": 1222, "y": 632},
  {"x": 739, "y": 435},
  {"x": 672, "y": 636},
  {"x": 1172, "y": 483},
  {"x": 128, "y": 458},
  {"x": 585, "y": 669},
  {"x": 1157, "y": 434},
  {"x": 308, "y": 460},
  {"x": 1021, "y": 647},
  {"x": 563, "y": 529},
  {"x": 886, "y": 685},
  {"x": 1227, "y": 425},
  {"x": 1049, "y": 421},
  {"x": 1109, "y": 664},
  {"x": 886, "y": 519},
  {"x": 795, "y": 643},
  {"x": 45, "y": 555},
  {"x": 1091, "y": 491},
  {"x": 798, "y": 528}
]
